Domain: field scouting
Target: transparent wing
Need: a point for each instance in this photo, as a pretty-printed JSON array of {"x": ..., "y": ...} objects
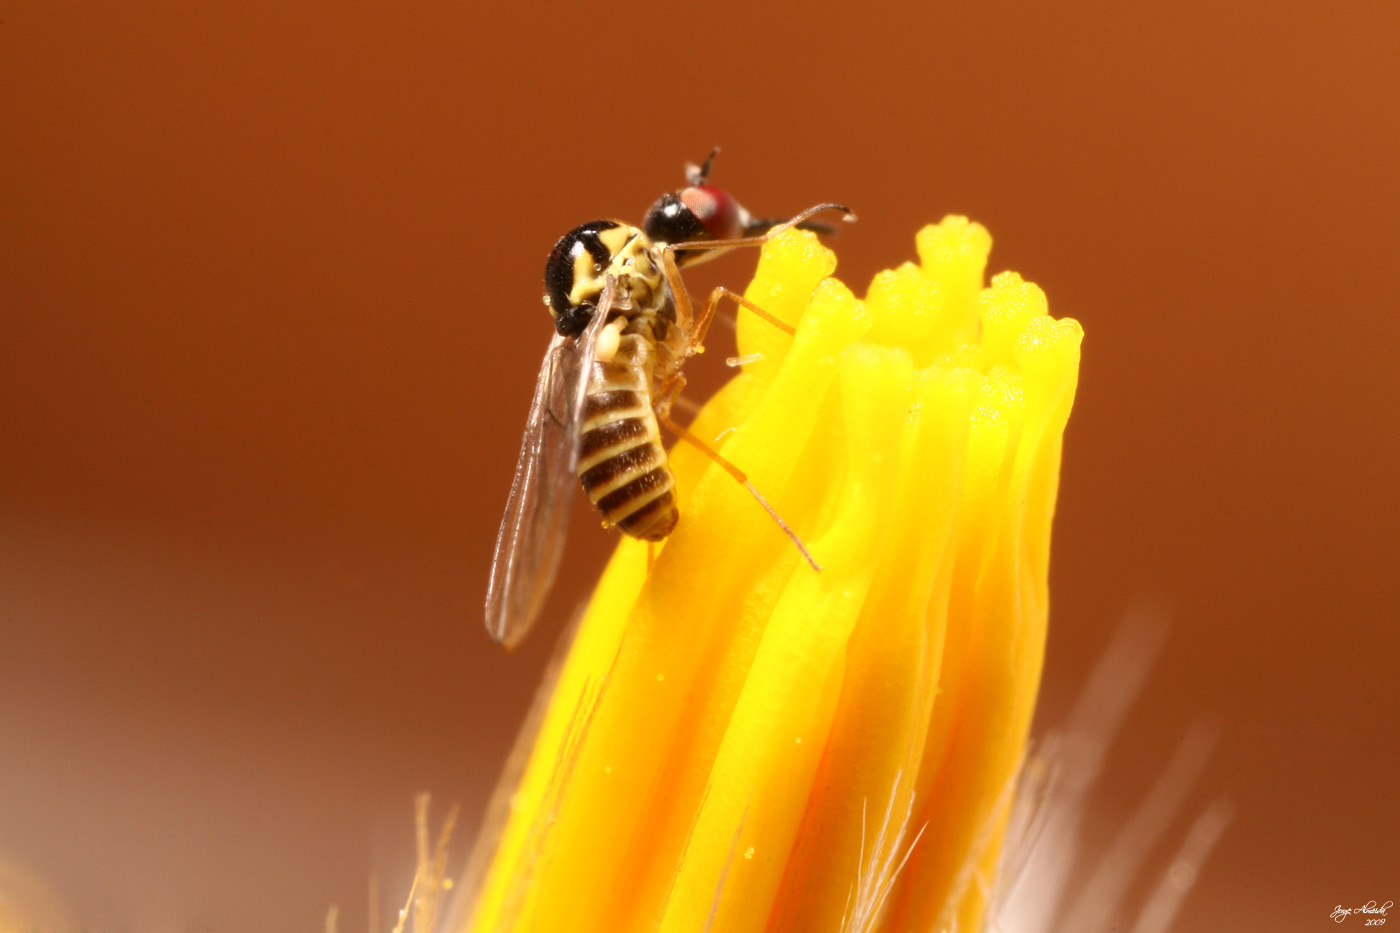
[{"x": 531, "y": 539}]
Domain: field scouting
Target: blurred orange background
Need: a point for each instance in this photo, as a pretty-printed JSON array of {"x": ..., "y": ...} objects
[{"x": 269, "y": 299}]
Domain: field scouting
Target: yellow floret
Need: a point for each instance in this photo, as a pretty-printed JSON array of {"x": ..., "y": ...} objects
[{"x": 737, "y": 742}]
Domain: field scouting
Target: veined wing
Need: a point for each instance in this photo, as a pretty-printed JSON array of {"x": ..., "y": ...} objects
[{"x": 531, "y": 539}]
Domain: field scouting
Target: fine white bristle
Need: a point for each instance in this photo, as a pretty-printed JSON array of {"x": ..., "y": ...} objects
[{"x": 1045, "y": 839}]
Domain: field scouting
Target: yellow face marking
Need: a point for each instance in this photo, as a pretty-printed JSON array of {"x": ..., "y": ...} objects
[
  {"x": 615, "y": 238},
  {"x": 585, "y": 278},
  {"x": 631, "y": 260}
]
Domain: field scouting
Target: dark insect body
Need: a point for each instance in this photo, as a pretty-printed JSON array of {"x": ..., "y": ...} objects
[{"x": 624, "y": 327}]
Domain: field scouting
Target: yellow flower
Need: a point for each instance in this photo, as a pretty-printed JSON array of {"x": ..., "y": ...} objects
[{"x": 736, "y": 742}]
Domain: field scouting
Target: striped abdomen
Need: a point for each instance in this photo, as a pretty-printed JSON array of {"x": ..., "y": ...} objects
[{"x": 621, "y": 461}]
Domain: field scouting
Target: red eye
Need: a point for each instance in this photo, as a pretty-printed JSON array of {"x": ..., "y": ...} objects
[{"x": 715, "y": 209}]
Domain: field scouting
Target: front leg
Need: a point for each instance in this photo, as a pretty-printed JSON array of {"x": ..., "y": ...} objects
[
  {"x": 695, "y": 328},
  {"x": 702, "y": 324}
]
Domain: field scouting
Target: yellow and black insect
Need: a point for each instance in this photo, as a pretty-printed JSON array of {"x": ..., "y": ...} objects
[{"x": 624, "y": 326}]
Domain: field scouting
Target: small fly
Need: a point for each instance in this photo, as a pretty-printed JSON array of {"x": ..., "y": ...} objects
[{"x": 624, "y": 326}]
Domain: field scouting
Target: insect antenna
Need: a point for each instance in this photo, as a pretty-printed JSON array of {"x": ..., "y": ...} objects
[{"x": 697, "y": 175}]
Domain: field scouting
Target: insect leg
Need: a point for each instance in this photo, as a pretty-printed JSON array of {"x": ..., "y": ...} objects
[
  {"x": 702, "y": 324},
  {"x": 684, "y": 310},
  {"x": 696, "y": 245},
  {"x": 759, "y": 225},
  {"x": 698, "y": 327},
  {"x": 663, "y": 414},
  {"x": 686, "y": 405}
]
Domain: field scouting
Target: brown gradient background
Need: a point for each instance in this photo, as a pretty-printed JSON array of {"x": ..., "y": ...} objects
[{"x": 270, "y": 278}]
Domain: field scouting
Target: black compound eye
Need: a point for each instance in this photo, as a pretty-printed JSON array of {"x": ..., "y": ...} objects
[
  {"x": 573, "y": 276},
  {"x": 671, "y": 221}
]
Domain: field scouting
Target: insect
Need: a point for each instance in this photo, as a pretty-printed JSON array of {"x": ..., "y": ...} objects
[{"x": 624, "y": 326}]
